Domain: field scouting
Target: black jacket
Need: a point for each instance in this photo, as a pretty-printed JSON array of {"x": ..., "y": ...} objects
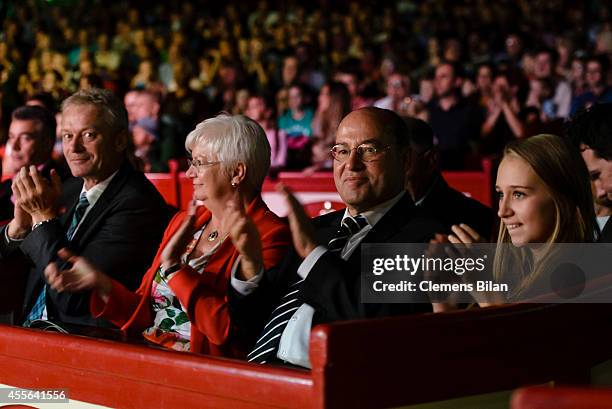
[{"x": 119, "y": 235}]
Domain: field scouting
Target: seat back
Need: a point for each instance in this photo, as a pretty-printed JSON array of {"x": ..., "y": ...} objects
[{"x": 166, "y": 184}]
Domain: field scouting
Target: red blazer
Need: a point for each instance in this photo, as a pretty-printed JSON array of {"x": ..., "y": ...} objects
[{"x": 204, "y": 295}]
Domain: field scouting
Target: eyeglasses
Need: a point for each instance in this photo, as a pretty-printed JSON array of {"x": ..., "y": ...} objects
[
  {"x": 366, "y": 152},
  {"x": 200, "y": 165}
]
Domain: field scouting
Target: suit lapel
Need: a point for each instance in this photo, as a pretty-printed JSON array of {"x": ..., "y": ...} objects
[
  {"x": 102, "y": 206},
  {"x": 327, "y": 226},
  {"x": 394, "y": 220}
]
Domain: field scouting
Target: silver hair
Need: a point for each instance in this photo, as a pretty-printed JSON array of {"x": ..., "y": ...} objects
[
  {"x": 114, "y": 112},
  {"x": 233, "y": 139}
]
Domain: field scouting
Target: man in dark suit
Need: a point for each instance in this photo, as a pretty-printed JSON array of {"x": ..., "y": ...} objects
[
  {"x": 30, "y": 142},
  {"x": 429, "y": 190},
  {"x": 591, "y": 132},
  {"x": 114, "y": 217},
  {"x": 320, "y": 281}
]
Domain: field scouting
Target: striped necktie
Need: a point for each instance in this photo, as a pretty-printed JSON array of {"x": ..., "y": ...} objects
[
  {"x": 39, "y": 306},
  {"x": 79, "y": 212},
  {"x": 348, "y": 227},
  {"x": 267, "y": 345}
]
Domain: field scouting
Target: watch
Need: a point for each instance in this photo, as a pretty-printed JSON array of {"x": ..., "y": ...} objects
[{"x": 38, "y": 224}]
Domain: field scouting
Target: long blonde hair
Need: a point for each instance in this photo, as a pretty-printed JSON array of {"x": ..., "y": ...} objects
[{"x": 566, "y": 178}]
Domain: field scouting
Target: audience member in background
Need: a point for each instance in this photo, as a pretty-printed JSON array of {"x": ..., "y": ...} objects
[
  {"x": 603, "y": 209},
  {"x": 30, "y": 142},
  {"x": 183, "y": 105},
  {"x": 544, "y": 198},
  {"x": 502, "y": 123},
  {"x": 289, "y": 72},
  {"x": 258, "y": 110},
  {"x": 591, "y": 133},
  {"x": 484, "y": 84},
  {"x": 296, "y": 122},
  {"x": 115, "y": 217},
  {"x": 558, "y": 91},
  {"x": 46, "y": 101},
  {"x": 429, "y": 190},
  {"x": 598, "y": 91},
  {"x": 576, "y": 77},
  {"x": 182, "y": 301},
  {"x": 145, "y": 138},
  {"x": 169, "y": 141},
  {"x": 398, "y": 94},
  {"x": 350, "y": 77},
  {"x": 334, "y": 104},
  {"x": 454, "y": 119},
  {"x": 321, "y": 284},
  {"x": 129, "y": 100}
]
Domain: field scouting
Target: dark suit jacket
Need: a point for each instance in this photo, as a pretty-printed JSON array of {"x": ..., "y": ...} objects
[
  {"x": 119, "y": 235},
  {"x": 332, "y": 287},
  {"x": 606, "y": 232},
  {"x": 450, "y": 206}
]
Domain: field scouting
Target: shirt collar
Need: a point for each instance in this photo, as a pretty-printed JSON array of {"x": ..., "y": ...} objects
[
  {"x": 96, "y": 191},
  {"x": 374, "y": 215}
]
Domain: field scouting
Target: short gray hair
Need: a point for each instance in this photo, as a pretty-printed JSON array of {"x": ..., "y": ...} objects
[
  {"x": 115, "y": 114},
  {"x": 233, "y": 139}
]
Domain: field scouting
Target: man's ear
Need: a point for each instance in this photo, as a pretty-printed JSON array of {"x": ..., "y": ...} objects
[{"x": 433, "y": 158}]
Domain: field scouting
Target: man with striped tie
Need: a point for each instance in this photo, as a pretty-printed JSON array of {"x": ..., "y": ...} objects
[
  {"x": 113, "y": 215},
  {"x": 320, "y": 281}
]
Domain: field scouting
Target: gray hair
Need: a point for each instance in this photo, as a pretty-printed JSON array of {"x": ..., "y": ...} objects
[
  {"x": 233, "y": 139},
  {"x": 114, "y": 112}
]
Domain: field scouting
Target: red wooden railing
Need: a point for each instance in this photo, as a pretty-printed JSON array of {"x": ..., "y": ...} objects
[{"x": 366, "y": 364}]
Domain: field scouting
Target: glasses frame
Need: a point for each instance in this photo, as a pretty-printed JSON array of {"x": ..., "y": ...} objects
[
  {"x": 360, "y": 155},
  {"x": 199, "y": 165}
]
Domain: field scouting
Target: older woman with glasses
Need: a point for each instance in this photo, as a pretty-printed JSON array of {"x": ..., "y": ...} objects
[{"x": 182, "y": 301}]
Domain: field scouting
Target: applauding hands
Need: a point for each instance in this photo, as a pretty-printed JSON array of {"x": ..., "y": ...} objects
[
  {"x": 35, "y": 200},
  {"x": 79, "y": 276}
]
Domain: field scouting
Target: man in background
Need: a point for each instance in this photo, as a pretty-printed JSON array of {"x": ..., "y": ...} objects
[{"x": 591, "y": 132}]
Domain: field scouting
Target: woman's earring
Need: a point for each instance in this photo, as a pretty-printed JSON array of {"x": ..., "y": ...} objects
[{"x": 234, "y": 184}]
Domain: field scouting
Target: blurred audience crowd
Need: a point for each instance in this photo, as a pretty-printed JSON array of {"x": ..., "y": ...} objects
[{"x": 481, "y": 73}]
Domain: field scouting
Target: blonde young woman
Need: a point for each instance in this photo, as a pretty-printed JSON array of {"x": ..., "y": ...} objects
[{"x": 544, "y": 198}]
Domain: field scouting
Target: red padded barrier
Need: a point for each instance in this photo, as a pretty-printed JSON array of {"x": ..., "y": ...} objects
[
  {"x": 562, "y": 398},
  {"x": 366, "y": 364},
  {"x": 429, "y": 357},
  {"x": 132, "y": 376}
]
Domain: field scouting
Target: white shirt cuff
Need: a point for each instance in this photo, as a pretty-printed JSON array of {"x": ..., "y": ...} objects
[
  {"x": 7, "y": 239},
  {"x": 248, "y": 286},
  {"x": 310, "y": 260},
  {"x": 295, "y": 340}
]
